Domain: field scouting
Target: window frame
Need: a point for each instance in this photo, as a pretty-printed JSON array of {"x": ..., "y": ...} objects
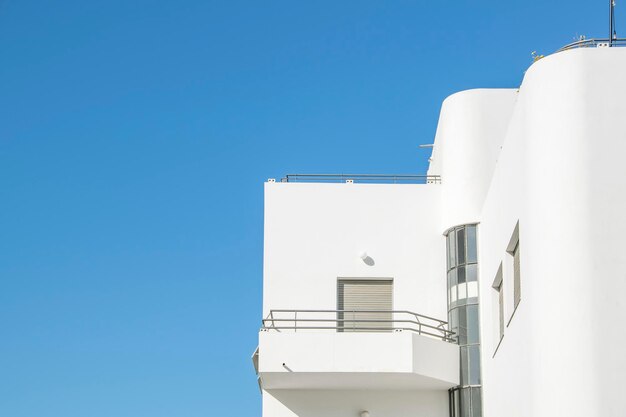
[
  {"x": 498, "y": 286},
  {"x": 514, "y": 270}
]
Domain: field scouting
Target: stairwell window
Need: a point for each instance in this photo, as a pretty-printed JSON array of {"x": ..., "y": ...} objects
[
  {"x": 498, "y": 308},
  {"x": 513, "y": 251},
  {"x": 517, "y": 295}
]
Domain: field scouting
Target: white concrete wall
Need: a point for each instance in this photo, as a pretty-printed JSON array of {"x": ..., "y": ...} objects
[
  {"x": 471, "y": 128},
  {"x": 315, "y": 232},
  {"x": 561, "y": 175},
  {"x": 395, "y": 360},
  {"x": 338, "y": 403}
]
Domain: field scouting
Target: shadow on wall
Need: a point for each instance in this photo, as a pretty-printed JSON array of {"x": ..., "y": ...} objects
[
  {"x": 369, "y": 261},
  {"x": 348, "y": 403}
]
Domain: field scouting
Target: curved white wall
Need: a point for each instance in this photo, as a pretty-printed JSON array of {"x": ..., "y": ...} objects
[
  {"x": 471, "y": 128},
  {"x": 561, "y": 174}
]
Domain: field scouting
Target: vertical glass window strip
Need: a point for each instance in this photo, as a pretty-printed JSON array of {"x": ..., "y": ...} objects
[
  {"x": 476, "y": 402},
  {"x": 471, "y": 276},
  {"x": 472, "y": 253},
  {"x": 516, "y": 277},
  {"x": 464, "y": 366},
  {"x": 460, "y": 245},
  {"x": 454, "y": 321},
  {"x": 466, "y": 402},
  {"x": 471, "y": 273},
  {"x": 474, "y": 364},
  {"x": 463, "y": 317},
  {"x": 472, "y": 324},
  {"x": 462, "y": 287},
  {"x": 453, "y": 287},
  {"x": 501, "y": 309},
  {"x": 451, "y": 250},
  {"x": 462, "y": 333}
]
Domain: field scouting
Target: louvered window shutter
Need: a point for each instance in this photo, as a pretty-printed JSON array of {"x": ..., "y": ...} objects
[{"x": 360, "y": 301}]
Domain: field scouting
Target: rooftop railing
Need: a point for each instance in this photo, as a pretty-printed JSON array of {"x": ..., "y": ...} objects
[
  {"x": 364, "y": 178},
  {"x": 594, "y": 43},
  {"x": 357, "y": 321}
]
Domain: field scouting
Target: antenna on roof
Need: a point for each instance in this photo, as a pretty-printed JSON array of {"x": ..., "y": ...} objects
[{"x": 612, "y": 33}]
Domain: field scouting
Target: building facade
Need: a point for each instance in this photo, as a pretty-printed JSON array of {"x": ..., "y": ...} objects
[{"x": 492, "y": 286}]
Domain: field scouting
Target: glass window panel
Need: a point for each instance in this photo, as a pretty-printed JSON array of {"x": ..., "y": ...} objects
[
  {"x": 516, "y": 276},
  {"x": 454, "y": 320},
  {"x": 462, "y": 325},
  {"x": 462, "y": 291},
  {"x": 470, "y": 231},
  {"x": 471, "y": 273},
  {"x": 472, "y": 324},
  {"x": 476, "y": 402},
  {"x": 457, "y": 402},
  {"x": 472, "y": 291},
  {"x": 452, "y": 284},
  {"x": 451, "y": 249},
  {"x": 460, "y": 273},
  {"x": 460, "y": 245},
  {"x": 466, "y": 402},
  {"x": 474, "y": 365},
  {"x": 448, "y": 251},
  {"x": 464, "y": 366},
  {"x": 449, "y": 289},
  {"x": 452, "y": 278}
]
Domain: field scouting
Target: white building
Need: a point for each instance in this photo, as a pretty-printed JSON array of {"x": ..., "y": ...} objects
[{"x": 513, "y": 237}]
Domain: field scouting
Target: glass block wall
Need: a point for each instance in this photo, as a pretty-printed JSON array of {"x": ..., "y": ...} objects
[{"x": 465, "y": 400}]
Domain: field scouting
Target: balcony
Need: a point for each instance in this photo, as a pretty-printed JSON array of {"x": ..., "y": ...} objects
[{"x": 364, "y": 349}]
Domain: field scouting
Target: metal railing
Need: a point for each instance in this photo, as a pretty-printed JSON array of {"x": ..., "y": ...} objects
[
  {"x": 594, "y": 43},
  {"x": 357, "y": 321},
  {"x": 363, "y": 178}
]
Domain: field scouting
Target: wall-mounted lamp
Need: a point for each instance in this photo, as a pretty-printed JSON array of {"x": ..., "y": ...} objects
[
  {"x": 365, "y": 414},
  {"x": 367, "y": 260}
]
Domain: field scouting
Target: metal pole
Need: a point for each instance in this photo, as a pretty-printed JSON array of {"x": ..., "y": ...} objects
[{"x": 611, "y": 21}]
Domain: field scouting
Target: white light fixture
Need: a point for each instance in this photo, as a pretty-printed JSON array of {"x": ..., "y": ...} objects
[
  {"x": 365, "y": 414},
  {"x": 363, "y": 255}
]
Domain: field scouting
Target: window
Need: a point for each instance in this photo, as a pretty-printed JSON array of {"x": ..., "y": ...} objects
[
  {"x": 517, "y": 295},
  {"x": 498, "y": 286},
  {"x": 501, "y": 309},
  {"x": 465, "y": 402},
  {"x": 514, "y": 264},
  {"x": 359, "y": 300},
  {"x": 463, "y": 317}
]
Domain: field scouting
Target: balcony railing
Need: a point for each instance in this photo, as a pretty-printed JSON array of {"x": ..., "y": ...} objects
[
  {"x": 357, "y": 321},
  {"x": 364, "y": 178},
  {"x": 594, "y": 43}
]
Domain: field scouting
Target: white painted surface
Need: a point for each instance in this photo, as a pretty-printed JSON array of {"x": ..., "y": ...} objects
[
  {"x": 395, "y": 360},
  {"x": 471, "y": 128},
  {"x": 315, "y": 234},
  {"x": 561, "y": 174},
  {"x": 350, "y": 403}
]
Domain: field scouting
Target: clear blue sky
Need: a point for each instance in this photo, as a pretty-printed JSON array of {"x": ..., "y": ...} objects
[{"x": 135, "y": 137}]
